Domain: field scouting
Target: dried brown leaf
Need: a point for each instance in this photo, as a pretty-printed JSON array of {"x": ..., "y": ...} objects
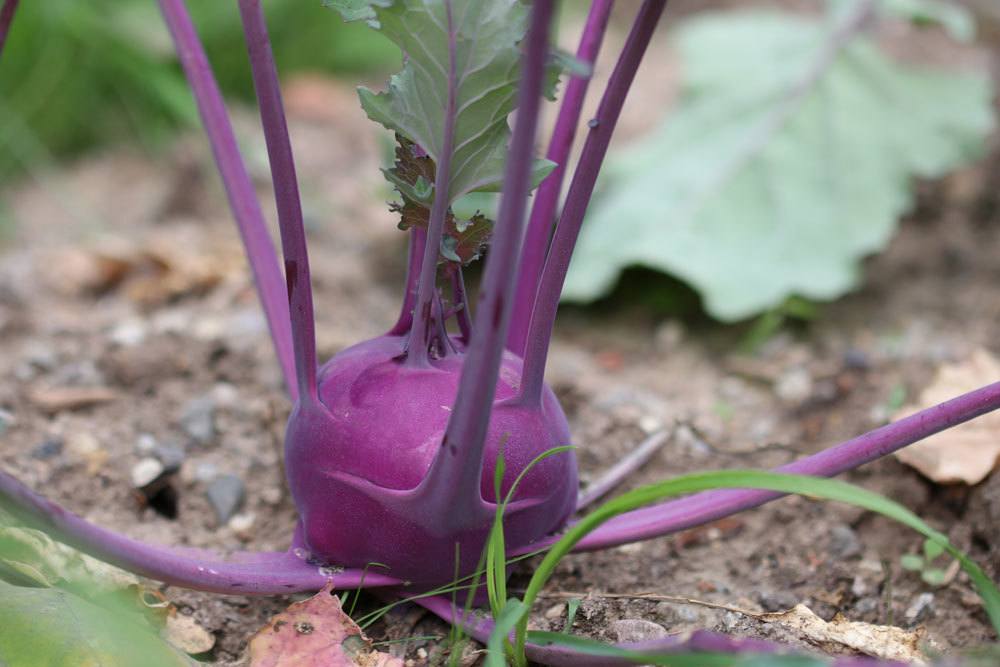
[
  {"x": 967, "y": 452},
  {"x": 879, "y": 641},
  {"x": 315, "y": 633}
]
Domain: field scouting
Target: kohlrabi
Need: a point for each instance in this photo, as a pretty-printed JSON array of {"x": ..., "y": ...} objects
[{"x": 391, "y": 446}]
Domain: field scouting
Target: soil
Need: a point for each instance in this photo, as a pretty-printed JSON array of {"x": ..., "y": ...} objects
[{"x": 123, "y": 272}]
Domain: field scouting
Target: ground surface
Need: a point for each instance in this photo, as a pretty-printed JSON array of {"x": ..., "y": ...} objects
[{"x": 124, "y": 273}]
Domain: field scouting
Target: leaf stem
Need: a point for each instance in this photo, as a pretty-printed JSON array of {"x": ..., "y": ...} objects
[
  {"x": 239, "y": 188},
  {"x": 244, "y": 573},
  {"x": 418, "y": 239},
  {"x": 7, "y": 12},
  {"x": 420, "y": 332},
  {"x": 671, "y": 517},
  {"x": 457, "y": 469},
  {"x": 543, "y": 210},
  {"x": 286, "y": 194},
  {"x": 580, "y": 190}
]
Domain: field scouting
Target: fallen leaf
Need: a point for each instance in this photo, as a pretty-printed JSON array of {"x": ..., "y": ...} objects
[
  {"x": 151, "y": 271},
  {"x": 879, "y": 641},
  {"x": 315, "y": 633},
  {"x": 183, "y": 632},
  {"x": 967, "y": 452},
  {"x": 57, "y": 399}
]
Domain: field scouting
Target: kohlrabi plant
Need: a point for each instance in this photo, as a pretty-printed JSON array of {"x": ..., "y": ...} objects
[{"x": 392, "y": 445}]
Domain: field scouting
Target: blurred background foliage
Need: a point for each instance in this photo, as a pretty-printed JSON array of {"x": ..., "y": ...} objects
[{"x": 76, "y": 75}]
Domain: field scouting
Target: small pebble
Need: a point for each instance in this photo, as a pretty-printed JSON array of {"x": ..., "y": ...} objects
[
  {"x": 555, "y": 611},
  {"x": 856, "y": 360},
  {"x": 171, "y": 455},
  {"x": 271, "y": 495},
  {"x": 145, "y": 444},
  {"x": 794, "y": 385},
  {"x": 921, "y": 608},
  {"x": 776, "y": 600},
  {"x": 146, "y": 472},
  {"x": 83, "y": 444},
  {"x": 6, "y": 420},
  {"x": 47, "y": 450},
  {"x": 676, "y": 614},
  {"x": 129, "y": 333},
  {"x": 198, "y": 419},
  {"x": 226, "y": 494},
  {"x": 242, "y": 525},
  {"x": 650, "y": 424},
  {"x": 844, "y": 542},
  {"x": 637, "y": 630},
  {"x": 205, "y": 472},
  {"x": 225, "y": 395},
  {"x": 41, "y": 355},
  {"x": 866, "y": 606}
]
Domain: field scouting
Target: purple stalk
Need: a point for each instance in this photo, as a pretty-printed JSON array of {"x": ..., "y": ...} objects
[
  {"x": 420, "y": 332},
  {"x": 621, "y": 471},
  {"x": 286, "y": 194},
  {"x": 578, "y": 198},
  {"x": 460, "y": 299},
  {"x": 543, "y": 211},
  {"x": 699, "y": 641},
  {"x": 418, "y": 239},
  {"x": 6, "y": 18},
  {"x": 457, "y": 470},
  {"x": 243, "y": 573},
  {"x": 239, "y": 188},
  {"x": 676, "y": 515}
]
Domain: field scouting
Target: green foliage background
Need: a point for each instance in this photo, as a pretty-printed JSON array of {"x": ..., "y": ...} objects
[{"x": 79, "y": 73}]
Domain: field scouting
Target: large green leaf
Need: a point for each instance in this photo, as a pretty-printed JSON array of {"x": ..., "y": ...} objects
[
  {"x": 49, "y": 627},
  {"x": 776, "y": 174},
  {"x": 468, "y": 49}
]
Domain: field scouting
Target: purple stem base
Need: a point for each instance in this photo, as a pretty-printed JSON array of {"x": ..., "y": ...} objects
[
  {"x": 699, "y": 641},
  {"x": 241, "y": 573}
]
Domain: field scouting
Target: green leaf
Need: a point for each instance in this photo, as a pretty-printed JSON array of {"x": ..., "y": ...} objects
[
  {"x": 600, "y": 649},
  {"x": 933, "y": 576},
  {"x": 53, "y": 627},
  {"x": 480, "y": 71},
  {"x": 932, "y": 550},
  {"x": 776, "y": 174},
  {"x": 504, "y": 623},
  {"x": 828, "y": 489},
  {"x": 911, "y": 562}
]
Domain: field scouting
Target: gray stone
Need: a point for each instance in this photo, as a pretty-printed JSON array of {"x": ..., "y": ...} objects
[
  {"x": 777, "y": 600},
  {"x": 844, "y": 542},
  {"x": 226, "y": 494},
  {"x": 637, "y": 630},
  {"x": 47, "y": 450},
  {"x": 920, "y": 608},
  {"x": 171, "y": 455},
  {"x": 6, "y": 420},
  {"x": 198, "y": 419}
]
